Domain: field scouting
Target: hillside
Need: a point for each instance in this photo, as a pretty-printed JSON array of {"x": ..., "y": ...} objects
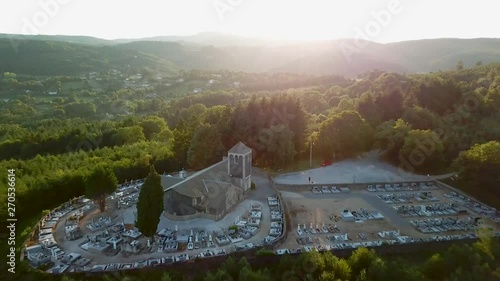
[
  {"x": 37, "y": 57},
  {"x": 333, "y": 57},
  {"x": 87, "y": 40},
  {"x": 443, "y": 54},
  {"x": 209, "y": 51}
]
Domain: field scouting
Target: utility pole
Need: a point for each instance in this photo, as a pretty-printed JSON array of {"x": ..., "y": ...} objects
[{"x": 311, "y": 155}]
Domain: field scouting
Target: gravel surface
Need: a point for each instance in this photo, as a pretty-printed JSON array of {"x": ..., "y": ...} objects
[{"x": 366, "y": 169}]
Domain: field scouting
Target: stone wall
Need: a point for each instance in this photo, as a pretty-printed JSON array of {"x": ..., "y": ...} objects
[
  {"x": 306, "y": 187},
  {"x": 212, "y": 263},
  {"x": 443, "y": 185},
  {"x": 190, "y": 217}
]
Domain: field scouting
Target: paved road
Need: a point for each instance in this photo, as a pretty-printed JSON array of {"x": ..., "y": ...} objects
[
  {"x": 263, "y": 186},
  {"x": 367, "y": 169}
]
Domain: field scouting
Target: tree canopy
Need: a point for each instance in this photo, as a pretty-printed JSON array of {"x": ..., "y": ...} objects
[
  {"x": 344, "y": 134},
  {"x": 150, "y": 204},
  {"x": 99, "y": 183},
  {"x": 478, "y": 168}
]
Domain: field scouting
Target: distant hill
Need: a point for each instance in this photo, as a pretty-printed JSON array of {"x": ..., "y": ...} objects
[
  {"x": 443, "y": 54},
  {"x": 212, "y": 39},
  {"x": 215, "y": 51},
  {"x": 87, "y": 40},
  {"x": 204, "y": 38},
  {"x": 343, "y": 57},
  {"x": 37, "y": 57}
]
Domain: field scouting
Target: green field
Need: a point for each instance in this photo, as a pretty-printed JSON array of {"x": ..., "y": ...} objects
[{"x": 71, "y": 86}]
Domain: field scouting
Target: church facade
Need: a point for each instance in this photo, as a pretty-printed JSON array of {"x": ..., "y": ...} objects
[{"x": 212, "y": 192}]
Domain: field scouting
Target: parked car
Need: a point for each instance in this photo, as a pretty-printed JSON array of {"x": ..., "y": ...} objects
[{"x": 326, "y": 163}]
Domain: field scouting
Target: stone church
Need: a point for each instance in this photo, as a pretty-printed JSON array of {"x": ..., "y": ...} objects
[{"x": 212, "y": 192}]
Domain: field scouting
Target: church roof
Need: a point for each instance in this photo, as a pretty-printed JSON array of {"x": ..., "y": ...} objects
[
  {"x": 167, "y": 181},
  {"x": 240, "y": 148},
  {"x": 212, "y": 183},
  {"x": 217, "y": 197},
  {"x": 194, "y": 186}
]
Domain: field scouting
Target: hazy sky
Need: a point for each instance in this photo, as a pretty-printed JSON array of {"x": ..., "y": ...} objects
[{"x": 285, "y": 19}]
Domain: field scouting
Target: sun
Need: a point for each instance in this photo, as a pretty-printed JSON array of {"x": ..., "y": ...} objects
[{"x": 297, "y": 21}]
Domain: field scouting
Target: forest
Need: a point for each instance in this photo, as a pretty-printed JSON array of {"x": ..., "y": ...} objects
[
  {"x": 450, "y": 118},
  {"x": 425, "y": 123},
  {"x": 63, "y": 55},
  {"x": 36, "y": 57}
]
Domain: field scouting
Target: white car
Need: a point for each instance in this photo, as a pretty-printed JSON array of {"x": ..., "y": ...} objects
[
  {"x": 205, "y": 254},
  {"x": 316, "y": 190},
  {"x": 220, "y": 252},
  {"x": 325, "y": 189},
  {"x": 310, "y": 248},
  {"x": 182, "y": 257},
  {"x": 190, "y": 246}
]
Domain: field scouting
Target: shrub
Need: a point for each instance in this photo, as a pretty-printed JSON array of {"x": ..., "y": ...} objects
[{"x": 264, "y": 252}]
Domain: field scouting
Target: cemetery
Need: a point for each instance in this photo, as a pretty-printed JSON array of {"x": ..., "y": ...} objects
[
  {"x": 416, "y": 211},
  {"x": 437, "y": 209},
  {"x": 396, "y": 187},
  {"x": 328, "y": 189},
  {"x": 77, "y": 237},
  {"x": 407, "y": 197},
  {"x": 446, "y": 224}
]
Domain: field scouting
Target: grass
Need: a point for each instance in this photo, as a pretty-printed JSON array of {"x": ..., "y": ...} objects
[
  {"x": 95, "y": 85},
  {"x": 68, "y": 87},
  {"x": 24, "y": 228},
  {"x": 71, "y": 86}
]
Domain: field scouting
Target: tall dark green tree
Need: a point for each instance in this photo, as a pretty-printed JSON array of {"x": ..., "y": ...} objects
[
  {"x": 206, "y": 147},
  {"x": 423, "y": 150},
  {"x": 150, "y": 204},
  {"x": 478, "y": 167},
  {"x": 346, "y": 134},
  {"x": 100, "y": 182}
]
